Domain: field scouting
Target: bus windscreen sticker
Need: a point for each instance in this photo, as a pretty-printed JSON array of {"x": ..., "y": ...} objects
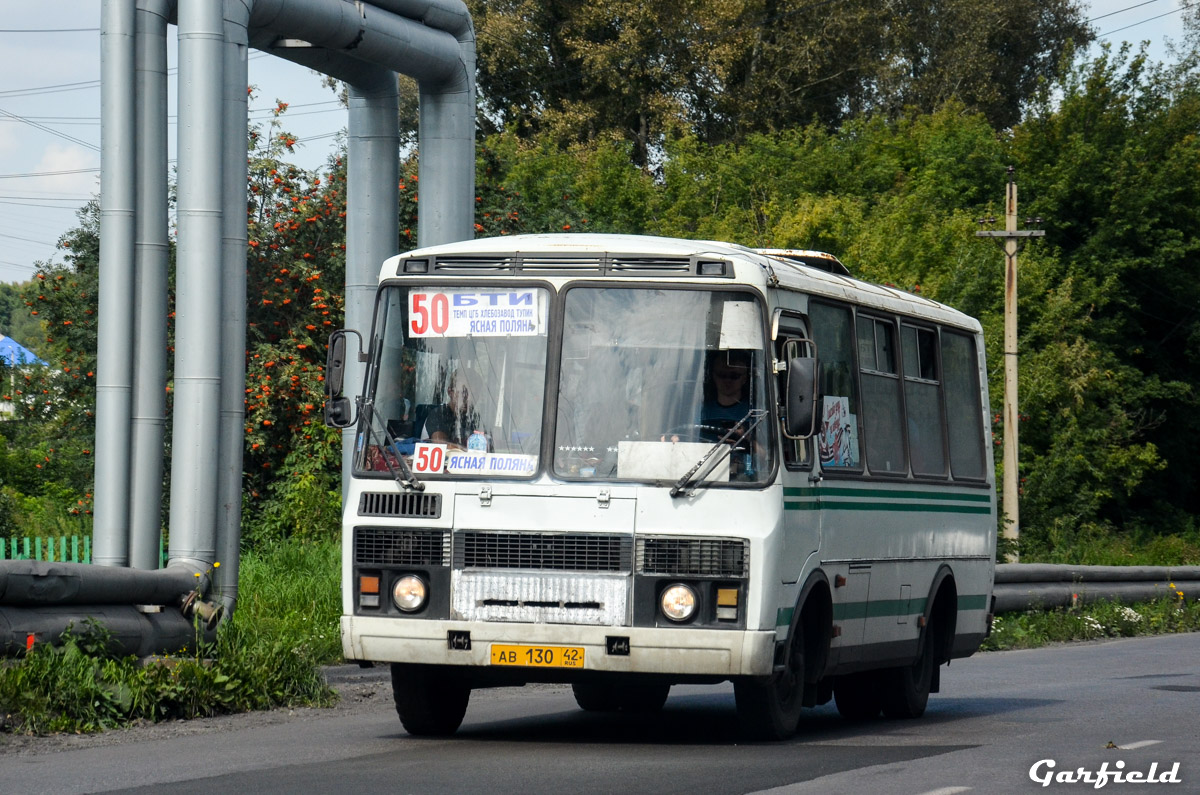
[
  {"x": 515, "y": 312},
  {"x": 478, "y": 463}
]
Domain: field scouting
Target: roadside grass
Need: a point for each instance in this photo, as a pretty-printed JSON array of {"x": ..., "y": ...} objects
[
  {"x": 268, "y": 655},
  {"x": 1033, "y": 628}
]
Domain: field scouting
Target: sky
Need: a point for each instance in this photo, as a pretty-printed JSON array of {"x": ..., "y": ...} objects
[{"x": 50, "y": 110}]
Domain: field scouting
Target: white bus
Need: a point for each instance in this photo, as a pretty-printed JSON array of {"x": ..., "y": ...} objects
[{"x": 626, "y": 462}]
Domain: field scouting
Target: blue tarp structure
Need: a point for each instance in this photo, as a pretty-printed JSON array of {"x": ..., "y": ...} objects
[{"x": 14, "y": 354}]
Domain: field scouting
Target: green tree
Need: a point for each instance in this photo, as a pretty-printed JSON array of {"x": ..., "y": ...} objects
[{"x": 1111, "y": 165}]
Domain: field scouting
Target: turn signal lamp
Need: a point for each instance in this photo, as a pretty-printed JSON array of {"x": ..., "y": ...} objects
[
  {"x": 368, "y": 590},
  {"x": 727, "y": 604}
]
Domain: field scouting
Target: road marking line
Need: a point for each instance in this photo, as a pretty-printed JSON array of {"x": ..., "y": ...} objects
[
  {"x": 1139, "y": 744},
  {"x": 947, "y": 791}
]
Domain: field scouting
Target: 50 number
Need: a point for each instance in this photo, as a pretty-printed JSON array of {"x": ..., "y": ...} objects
[
  {"x": 430, "y": 313},
  {"x": 429, "y": 457}
]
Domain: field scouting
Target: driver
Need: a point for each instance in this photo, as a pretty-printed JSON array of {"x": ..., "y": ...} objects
[{"x": 726, "y": 389}]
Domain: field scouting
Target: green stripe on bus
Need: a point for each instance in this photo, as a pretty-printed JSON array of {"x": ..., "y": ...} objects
[
  {"x": 882, "y": 608},
  {"x": 832, "y": 505},
  {"x": 972, "y": 602},
  {"x": 891, "y": 494}
]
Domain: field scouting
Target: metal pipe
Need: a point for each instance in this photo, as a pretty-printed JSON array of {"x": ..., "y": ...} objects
[
  {"x": 1060, "y": 572},
  {"x": 114, "y": 354},
  {"x": 233, "y": 305},
  {"x": 196, "y": 428},
  {"x": 1015, "y": 597},
  {"x": 34, "y": 582},
  {"x": 367, "y": 33},
  {"x": 372, "y": 198},
  {"x": 151, "y": 253},
  {"x": 451, "y": 16},
  {"x": 447, "y": 165},
  {"x": 130, "y": 630}
]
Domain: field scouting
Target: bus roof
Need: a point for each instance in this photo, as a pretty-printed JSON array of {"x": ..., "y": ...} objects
[{"x": 813, "y": 272}]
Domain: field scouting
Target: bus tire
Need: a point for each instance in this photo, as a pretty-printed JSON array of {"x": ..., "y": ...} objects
[
  {"x": 644, "y": 698},
  {"x": 430, "y": 702},
  {"x": 595, "y": 697},
  {"x": 858, "y": 696},
  {"x": 906, "y": 689},
  {"x": 768, "y": 707}
]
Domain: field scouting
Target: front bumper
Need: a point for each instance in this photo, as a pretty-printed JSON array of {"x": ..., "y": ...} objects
[{"x": 651, "y": 650}]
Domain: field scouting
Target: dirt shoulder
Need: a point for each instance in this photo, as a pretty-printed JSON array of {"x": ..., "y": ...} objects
[{"x": 359, "y": 690}]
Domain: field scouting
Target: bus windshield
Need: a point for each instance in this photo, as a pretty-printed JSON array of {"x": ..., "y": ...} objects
[
  {"x": 459, "y": 378},
  {"x": 652, "y": 378}
]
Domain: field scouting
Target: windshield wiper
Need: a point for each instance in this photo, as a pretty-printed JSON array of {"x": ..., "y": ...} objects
[
  {"x": 405, "y": 477},
  {"x": 709, "y": 460}
]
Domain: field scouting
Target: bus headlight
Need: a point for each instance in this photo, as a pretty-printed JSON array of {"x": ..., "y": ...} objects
[
  {"x": 678, "y": 602},
  {"x": 409, "y": 593}
]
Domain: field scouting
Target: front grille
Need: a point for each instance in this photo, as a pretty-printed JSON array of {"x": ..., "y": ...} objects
[
  {"x": 543, "y": 551},
  {"x": 394, "y": 546},
  {"x": 693, "y": 557},
  {"x": 408, "y": 505}
]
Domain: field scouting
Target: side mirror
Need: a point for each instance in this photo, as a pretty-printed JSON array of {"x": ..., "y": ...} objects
[
  {"x": 339, "y": 410},
  {"x": 800, "y": 402},
  {"x": 335, "y": 364}
]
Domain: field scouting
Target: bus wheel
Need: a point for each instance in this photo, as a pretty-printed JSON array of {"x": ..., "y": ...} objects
[
  {"x": 768, "y": 707},
  {"x": 429, "y": 702},
  {"x": 858, "y": 696},
  {"x": 643, "y": 697},
  {"x": 906, "y": 689},
  {"x": 595, "y": 697}
]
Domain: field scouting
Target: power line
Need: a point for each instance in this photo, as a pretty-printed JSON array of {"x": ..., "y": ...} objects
[
  {"x": 49, "y": 30},
  {"x": 50, "y": 173},
  {"x": 54, "y": 89},
  {"x": 1148, "y": 19},
  {"x": 36, "y": 204},
  {"x": 25, "y": 239},
  {"x": 50, "y": 130},
  {"x": 48, "y": 198},
  {"x": 1122, "y": 10}
]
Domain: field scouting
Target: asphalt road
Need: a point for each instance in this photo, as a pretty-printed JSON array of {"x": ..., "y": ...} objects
[{"x": 1130, "y": 704}]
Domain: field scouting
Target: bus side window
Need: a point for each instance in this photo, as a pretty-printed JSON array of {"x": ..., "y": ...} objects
[
  {"x": 923, "y": 401},
  {"x": 883, "y": 423},
  {"x": 960, "y": 366},
  {"x": 832, "y": 329}
]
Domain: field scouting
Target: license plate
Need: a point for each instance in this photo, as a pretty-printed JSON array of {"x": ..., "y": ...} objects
[{"x": 537, "y": 656}]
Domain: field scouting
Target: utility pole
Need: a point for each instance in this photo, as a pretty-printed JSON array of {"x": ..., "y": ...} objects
[{"x": 1013, "y": 240}]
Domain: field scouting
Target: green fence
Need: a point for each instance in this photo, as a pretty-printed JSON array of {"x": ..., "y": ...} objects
[
  {"x": 71, "y": 549},
  {"x": 75, "y": 549}
]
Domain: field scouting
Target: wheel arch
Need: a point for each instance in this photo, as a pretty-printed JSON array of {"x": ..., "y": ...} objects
[
  {"x": 814, "y": 613},
  {"x": 941, "y": 613}
]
